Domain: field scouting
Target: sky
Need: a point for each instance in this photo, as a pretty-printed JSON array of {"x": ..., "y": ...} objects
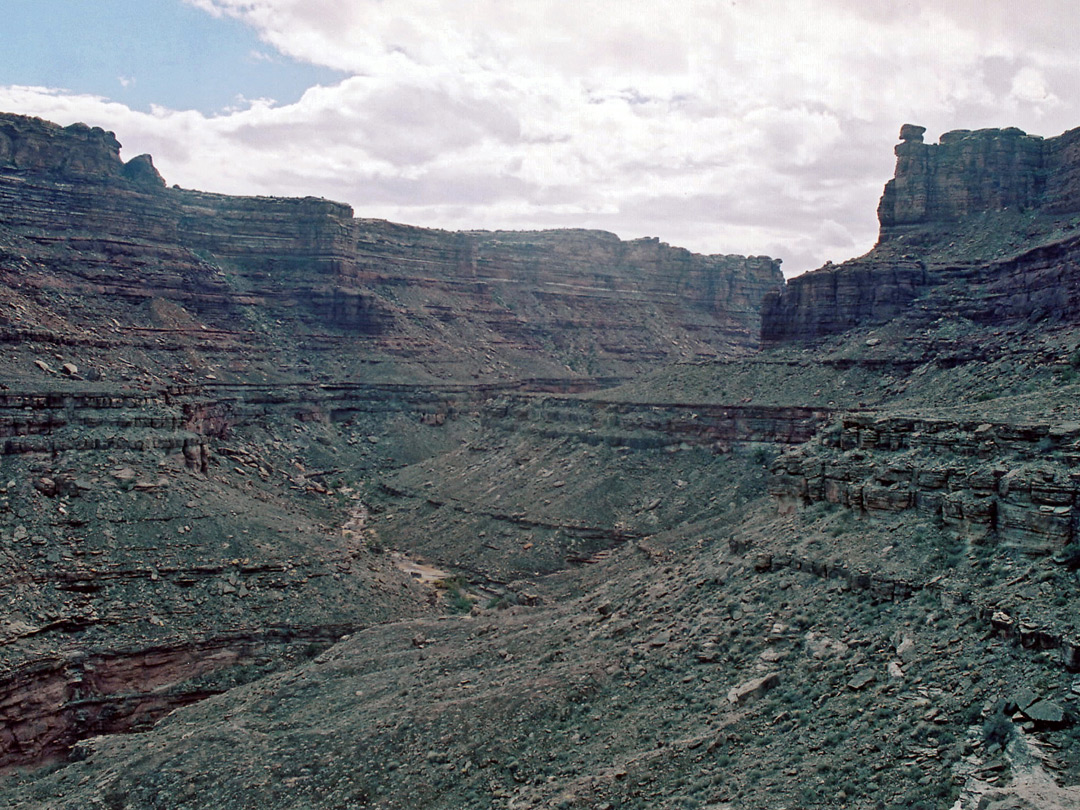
[{"x": 724, "y": 126}]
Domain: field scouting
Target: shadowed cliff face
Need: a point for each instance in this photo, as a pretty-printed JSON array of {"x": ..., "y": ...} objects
[{"x": 983, "y": 222}]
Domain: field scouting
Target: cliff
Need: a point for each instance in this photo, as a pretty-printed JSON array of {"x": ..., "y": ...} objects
[
  {"x": 230, "y": 426},
  {"x": 964, "y": 216},
  {"x": 987, "y": 170},
  {"x": 410, "y": 301},
  {"x": 72, "y": 153}
]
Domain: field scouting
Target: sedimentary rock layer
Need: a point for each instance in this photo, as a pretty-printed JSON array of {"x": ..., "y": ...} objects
[
  {"x": 465, "y": 305},
  {"x": 1012, "y": 480},
  {"x": 989, "y": 216},
  {"x": 974, "y": 172}
]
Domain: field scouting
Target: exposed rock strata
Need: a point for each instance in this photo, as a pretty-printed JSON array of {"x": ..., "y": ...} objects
[
  {"x": 974, "y": 172},
  {"x": 217, "y": 417},
  {"x": 49, "y": 705},
  {"x": 194, "y": 385},
  {"x": 466, "y": 305},
  {"x": 1012, "y": 480},
  {"x": 980, "y": 224}
]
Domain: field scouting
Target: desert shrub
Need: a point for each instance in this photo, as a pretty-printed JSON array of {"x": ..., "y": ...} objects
[
  {"x": 502, "y": 602},
  {"x": 761, "y": 455},
  {"x": 998, "y": 728},
  {"x": 459, "y": 602},
  {"x": 455, "y": 594},
  {"x": 971, "y": 715}
]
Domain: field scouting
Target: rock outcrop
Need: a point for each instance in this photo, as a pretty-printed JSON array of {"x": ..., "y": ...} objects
[
  {"x": 256, "y": 456},
  {"x": 987, "y": 215},
  {"x": 988, "y": 170},
  {"x": 1011, "y": 480}
]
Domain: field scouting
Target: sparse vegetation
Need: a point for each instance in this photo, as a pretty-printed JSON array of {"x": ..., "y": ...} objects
[
  {"x": 882, "y": 531},
  {"x": 998, "y": 729}
]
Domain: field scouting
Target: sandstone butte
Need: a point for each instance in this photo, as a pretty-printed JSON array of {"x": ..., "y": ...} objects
[{"x": 299, "y": 509}]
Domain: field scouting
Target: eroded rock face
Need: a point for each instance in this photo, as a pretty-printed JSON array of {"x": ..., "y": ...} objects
[
  {"x": 73, "y": 152},
  {"x": 1005, "y": 479},
  {"x": 194, "y": 387},
  {"x": 987, "y": 216},
  {"x": 970, "y": 172},
  {"x": 214, "y": 424},
  {"x": 833, "y": 299},
  {"x": 457, "y": 305}
]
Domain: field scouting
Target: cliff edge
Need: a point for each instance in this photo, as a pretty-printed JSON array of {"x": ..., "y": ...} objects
[{"x": 396, "y": 301}]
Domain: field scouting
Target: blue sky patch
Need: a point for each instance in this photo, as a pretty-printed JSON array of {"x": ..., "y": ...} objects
[{"x": 141, "y": 53}]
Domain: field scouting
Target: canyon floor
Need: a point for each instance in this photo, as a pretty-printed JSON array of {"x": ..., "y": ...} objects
[{"x": 646, "y": 605}]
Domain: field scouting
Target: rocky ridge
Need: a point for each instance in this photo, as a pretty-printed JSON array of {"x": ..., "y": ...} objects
[{"x": 416, "y": 302}]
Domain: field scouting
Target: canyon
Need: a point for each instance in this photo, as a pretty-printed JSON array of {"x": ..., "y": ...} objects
[{"x": 709, "y": 539}]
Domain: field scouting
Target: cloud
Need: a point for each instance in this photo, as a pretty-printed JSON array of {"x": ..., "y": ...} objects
[
  {"x": 1029, "y": 85},
  {"x": 762, "y": 127}
]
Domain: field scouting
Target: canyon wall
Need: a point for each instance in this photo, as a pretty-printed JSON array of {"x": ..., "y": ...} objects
[
  {"x": 1012, "y": 480},
  {"x": 195, "y": 388},
  {"x": 431, "y": 303},
  {"x": 226, "y": 423},
  {"x": 989, "y": 216},
  {"x": 975, "y": 172}
]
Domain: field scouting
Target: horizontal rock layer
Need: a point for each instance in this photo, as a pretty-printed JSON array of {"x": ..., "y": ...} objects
[
  {"x": 194, "y": 387},
  {"x": 980, "y": 225},
  {"x": 974, "y": 172},
  {"x": 464, "y": 305},
  {"x": 1014, "y": 481}
]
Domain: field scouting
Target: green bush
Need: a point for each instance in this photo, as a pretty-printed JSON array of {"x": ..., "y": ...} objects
[{"x": 459, "y": 602}]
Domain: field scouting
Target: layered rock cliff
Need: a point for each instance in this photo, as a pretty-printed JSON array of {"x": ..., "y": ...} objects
[
  {"x": 989, "y": 216},
  {"x": 429, "y": 303},
  {"x": 196, "y": 388},
  {"x": 229, "y": 426},
  {"x": 989, "y": 170},
  {"x": 72, "y": 153}
]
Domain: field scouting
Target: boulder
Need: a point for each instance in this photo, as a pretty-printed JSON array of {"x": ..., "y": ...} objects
[
  {"x": 861, "y": 681},
  {"x": 1045, "y": 712},
  {"x": 749, "y": 690},
  {"x": 912, "y": 132}
]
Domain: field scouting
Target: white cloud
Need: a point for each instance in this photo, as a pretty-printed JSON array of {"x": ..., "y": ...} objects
[
  {"x": 1029, "y": 85},
  {"x": 762, "y": 127}
]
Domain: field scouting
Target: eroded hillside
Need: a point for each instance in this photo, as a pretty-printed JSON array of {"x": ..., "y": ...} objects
[{"x": 841, "y": 572}]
